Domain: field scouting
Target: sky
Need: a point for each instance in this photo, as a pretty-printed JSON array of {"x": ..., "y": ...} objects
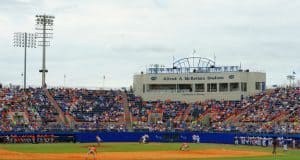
[{"x": 119, "y": 38}]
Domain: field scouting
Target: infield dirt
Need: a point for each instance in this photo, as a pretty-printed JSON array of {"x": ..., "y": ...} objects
[{"x": 149, "y": 155}]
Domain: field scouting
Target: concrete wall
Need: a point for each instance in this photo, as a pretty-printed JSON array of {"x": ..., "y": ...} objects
[{"x": 196, "y": 78}]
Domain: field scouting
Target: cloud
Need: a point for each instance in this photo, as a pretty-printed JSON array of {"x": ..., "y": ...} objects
[
  {"x": 119, "y": 38},
  {"x": 144, "y": 49}
]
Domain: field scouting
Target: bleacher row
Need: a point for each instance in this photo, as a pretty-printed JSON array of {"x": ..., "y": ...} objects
[
  {"x": 25, "y": 111},
  {"x": 275, "y": 111}
]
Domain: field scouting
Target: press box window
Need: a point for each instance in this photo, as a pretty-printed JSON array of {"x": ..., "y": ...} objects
[
  {"x": 234, "y": 87},
  {"x": 257, "y": 86},
  {"x": 244, "y": 87},
  {"x": 184, "y": 88},
  {"x": 223, "y": 87},
  {"x": 199, "y": 87},
  {"x": 162, "y": 87},
  {"x": 212, "y": 87}
]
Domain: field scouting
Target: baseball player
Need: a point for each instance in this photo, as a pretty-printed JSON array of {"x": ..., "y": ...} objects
[
  {"x": 92, "y": 151},
  {"x": 184, "y": 147},
  {"x": 144, "y": 139},
  {"x": 98, "y": 140},
  {"x": 275, "y": 143}
]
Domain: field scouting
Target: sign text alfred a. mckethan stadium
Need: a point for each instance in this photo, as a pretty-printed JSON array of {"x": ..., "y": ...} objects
[{"x": 193, "y": 78}]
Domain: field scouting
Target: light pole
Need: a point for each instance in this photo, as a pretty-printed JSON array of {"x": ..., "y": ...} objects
[
  {"x": 291, "y": 78},
  {"x": 65, "y": 80},
  {"x": 44, "y": 26},
  {"x": 103, "y": 82},
  {"x": 26, "y": 40}
]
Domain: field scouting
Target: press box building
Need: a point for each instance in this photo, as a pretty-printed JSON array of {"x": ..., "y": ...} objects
[{"x": 197, "y": 79}]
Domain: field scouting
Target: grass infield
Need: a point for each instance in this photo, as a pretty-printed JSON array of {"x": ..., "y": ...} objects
[{"x": 135, "y": 147}]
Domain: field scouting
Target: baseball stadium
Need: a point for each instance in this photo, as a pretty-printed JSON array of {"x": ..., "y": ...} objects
[{"x": 193, "y": 109}]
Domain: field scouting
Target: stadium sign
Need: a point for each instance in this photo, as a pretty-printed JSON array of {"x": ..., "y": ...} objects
[
  {"x": 192, "y": 78},
  {"x": 153, "y": 78},
  {"x": 214, "y": 77}
]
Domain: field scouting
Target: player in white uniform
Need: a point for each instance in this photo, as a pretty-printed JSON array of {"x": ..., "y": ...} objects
[
  {"x": 144, "y": 139},
  {"x": 98, "y": 140}
]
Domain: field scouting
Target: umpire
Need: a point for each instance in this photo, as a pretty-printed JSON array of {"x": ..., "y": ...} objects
[{"x": 275, "y": 143}]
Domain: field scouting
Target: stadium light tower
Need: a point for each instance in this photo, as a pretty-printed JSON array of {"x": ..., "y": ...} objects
[
  {"x": 26, "y": 40},
  {"x": 291, "y": 78},
  {"x": 44, "y": 26}
]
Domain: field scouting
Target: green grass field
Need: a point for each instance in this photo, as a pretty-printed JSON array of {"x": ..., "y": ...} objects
[{"x": 135, "y": 147}]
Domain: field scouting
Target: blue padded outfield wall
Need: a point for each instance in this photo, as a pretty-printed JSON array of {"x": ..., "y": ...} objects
[
  {"x": 156, "y": 137},
  {"x": 225, "y": 138}
]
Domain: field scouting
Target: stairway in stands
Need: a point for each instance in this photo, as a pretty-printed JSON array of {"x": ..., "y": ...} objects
[
  {"x": 61, "y": 116},
  {"x": 26, "y": 114},
  {"x": 127, "y": 113},
  {"x": 187, "y": 112},
  {"x": 281, "y": 117},
  {"x": 70, "y": 119},
  {"x": 205, "y": 114},
  {"x": 235, "y": 117}
]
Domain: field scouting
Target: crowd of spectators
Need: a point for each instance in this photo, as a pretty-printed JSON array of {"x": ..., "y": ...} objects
[
  {"x": 157, "y": 115},
  {"x": 272, "y": 105},
  {"x": 220, "y": 111},
  {"x": 39, "y": 103},
  {"x": 258, "y": 113},
  {"x": 11, "y": 103},
  {"x": 275, "y": 111},
  {"x": 22, "y": 111},
  {"x": 90, "y": 105}
]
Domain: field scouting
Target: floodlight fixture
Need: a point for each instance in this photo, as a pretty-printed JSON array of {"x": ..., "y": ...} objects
[
  {"x": 44, "y": 26},
  {"x": 24, "y": 40},
  {"x": 291, "y": 79}
]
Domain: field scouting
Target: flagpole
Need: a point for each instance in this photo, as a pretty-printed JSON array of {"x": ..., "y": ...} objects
[
  {"x": 64, "y": 81},
  {"x": 103, "y": 82}
]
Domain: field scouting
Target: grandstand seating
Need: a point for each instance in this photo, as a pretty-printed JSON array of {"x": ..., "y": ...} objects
[
  {"x": 277, "y": 111},
  {"x": 25, "y": 111},
  {"x": 271, "y": 105},
  {"x": 90, "y": 106},
  {"x": 157, "y": 115}
]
